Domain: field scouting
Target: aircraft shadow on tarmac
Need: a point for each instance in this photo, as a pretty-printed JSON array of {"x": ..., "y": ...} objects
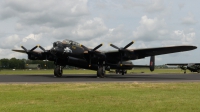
[{"x": 114, "y": 77}]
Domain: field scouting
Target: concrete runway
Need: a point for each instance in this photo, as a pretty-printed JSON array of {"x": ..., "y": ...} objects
[{"x": 109, "y": 78}]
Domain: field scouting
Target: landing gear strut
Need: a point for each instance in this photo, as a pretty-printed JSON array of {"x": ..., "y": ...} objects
[
  {"x": 123, "y": 72},
  {"x": 101, "y": 71},
  {"x": 58, "y": 71}
]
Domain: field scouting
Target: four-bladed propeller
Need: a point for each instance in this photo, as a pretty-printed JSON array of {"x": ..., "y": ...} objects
[
  {"x": 29, "y": 51},
  {"x": 91, "y": 52},
  {"x": 122, "y": 50}
]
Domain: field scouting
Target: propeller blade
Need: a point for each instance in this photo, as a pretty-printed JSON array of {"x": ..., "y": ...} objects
[
  {"x": 42, "y": 48},
  {"x": 128, "y": 44},
  {"x": 97, "y": 47},
  {"x": 114, "y": 46},
  {"x": 85, "y": 48},
  {"x": 33, "y": 48},
  {"x": 24, "y": 49}
]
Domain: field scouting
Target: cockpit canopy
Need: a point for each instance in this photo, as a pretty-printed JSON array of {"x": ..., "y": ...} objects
[{"x": 66, "y": 41}]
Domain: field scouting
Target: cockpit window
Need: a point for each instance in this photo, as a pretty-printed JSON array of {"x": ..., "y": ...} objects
[
  {"x": 70, "y": 42},
  {"x": 66, "y": 41}
]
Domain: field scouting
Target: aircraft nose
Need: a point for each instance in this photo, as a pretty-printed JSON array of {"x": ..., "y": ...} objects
[{"x": 53, "y": 50}]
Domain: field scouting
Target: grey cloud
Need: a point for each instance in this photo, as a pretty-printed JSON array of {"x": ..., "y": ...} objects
[
  {"x": 91, "y": 29},
  {"x": 9, "y": 42},
  {"x": 151, "y": 29},
  {"x": 48, "y": 13},
  {"x": 189, "y": 19},
  {"x": 155, "y": 6},
  {"x": 181, "y": 5}
]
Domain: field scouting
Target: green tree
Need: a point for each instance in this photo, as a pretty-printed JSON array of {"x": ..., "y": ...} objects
[{"x": 5, "y": 63}]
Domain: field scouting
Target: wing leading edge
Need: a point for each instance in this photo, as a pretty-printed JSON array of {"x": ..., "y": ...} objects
[
  {"x": 20, "y": 51},
  {"x": 163, "y": 50}
]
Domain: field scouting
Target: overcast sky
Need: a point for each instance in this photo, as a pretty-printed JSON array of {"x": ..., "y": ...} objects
[{"x": 150, "y": 23}]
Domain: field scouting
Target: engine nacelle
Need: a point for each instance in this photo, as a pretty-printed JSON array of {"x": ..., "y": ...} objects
[
  {"x": 35, "y": 56},
  {"x": 152, "y": 63}
]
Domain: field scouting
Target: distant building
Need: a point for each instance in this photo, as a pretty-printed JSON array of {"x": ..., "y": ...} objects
[{"x": 33, "y": 66}]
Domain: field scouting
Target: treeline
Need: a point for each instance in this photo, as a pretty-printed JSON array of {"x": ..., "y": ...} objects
[{"x": 14, "y": 63}]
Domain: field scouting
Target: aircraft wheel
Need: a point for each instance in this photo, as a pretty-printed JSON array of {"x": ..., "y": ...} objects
[
  {"x": 58, "y": 71},
  {"x": 100, "y": 72}
]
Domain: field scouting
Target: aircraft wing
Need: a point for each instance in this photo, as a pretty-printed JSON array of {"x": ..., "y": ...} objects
[
  {"x": 163, "y": 50},
  {"x": 20, "y": 51},
  {"x": 145, "y": 52}
]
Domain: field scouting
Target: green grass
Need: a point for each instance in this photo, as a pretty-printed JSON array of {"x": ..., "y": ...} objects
[
  {"x": 100, "y": 97},
  {"x": 65, "y": 71}
]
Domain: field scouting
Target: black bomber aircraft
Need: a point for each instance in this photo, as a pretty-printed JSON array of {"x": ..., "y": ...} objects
[
  {"x": 193, "y": 67},
  {"x": 68, "y": 52}
]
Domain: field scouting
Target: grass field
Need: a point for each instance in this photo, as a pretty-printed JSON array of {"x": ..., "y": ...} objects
[
  {"x": 65, "y": 71},
  {"x": 100, "y": 97}
]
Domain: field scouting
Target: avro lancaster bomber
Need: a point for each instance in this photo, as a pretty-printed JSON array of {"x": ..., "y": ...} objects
[{"x": 68, "y": 52}]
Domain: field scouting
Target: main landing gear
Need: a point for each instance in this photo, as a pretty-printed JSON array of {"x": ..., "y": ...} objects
[
  {"x": 58, "y": 71},
  {"x": 101, "y": 70}
]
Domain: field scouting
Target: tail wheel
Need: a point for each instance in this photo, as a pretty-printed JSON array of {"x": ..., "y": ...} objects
[{"x": 58, "y": 71}]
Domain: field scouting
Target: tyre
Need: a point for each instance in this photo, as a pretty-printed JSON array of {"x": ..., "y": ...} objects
[
  {"x": 58, "y": 72},
  {"x": 100, "y": 72}
]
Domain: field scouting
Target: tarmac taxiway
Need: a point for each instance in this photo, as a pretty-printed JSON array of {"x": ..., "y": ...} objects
[{"x": 192, "y": 77}]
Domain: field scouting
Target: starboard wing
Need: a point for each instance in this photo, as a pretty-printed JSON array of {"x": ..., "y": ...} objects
[{"x": 145, "y": 52}]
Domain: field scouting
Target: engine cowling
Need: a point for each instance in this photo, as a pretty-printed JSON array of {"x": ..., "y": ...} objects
[
  {"x": 152, "y": 63},
  {"x": 35, "y": 56}
]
